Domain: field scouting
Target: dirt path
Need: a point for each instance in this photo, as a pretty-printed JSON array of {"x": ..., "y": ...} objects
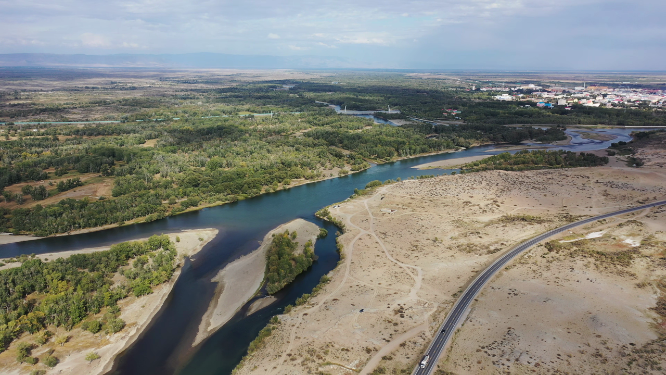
[
  {"x": 391, "y": 346},
  {"x": 414, "y": 272}
]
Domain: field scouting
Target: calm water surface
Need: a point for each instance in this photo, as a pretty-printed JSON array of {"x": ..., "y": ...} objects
[{"x": 165, "y": 347}]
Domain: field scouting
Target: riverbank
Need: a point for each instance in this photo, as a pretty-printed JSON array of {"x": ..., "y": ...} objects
[
  {"x": 241, "y": 279},
  {"x": 6, "y": 238},
  {"x": 450, "y": 163},
  {"x": 136, "y": 312},
  {"x": 411, "y": 247}
]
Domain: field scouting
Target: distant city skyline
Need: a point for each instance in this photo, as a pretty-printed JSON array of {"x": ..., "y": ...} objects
[{"x": 427, "y": 34}]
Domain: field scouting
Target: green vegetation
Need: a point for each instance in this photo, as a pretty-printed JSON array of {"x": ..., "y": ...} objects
[
  {"x": 65, "y": 292},
  {"x": 204, "y": 151},
  {"x": 51, "y": 361},
  {"x": 204, "y": 158},
  {"x": 581, "y": 248},
  {"x": 69, "y": 184},
  {"x": 507, "y": 219},
  {"x": 325, "y": 214},
  {"x": 538, "y": 159},
  {"x": 283, "y": 264},
  {"x": 653, "y": 138},
  {"x": 92, "y": 356}
]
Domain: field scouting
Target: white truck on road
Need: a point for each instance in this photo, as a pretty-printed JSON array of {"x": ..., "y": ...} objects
[{"x": 424, "y": 361}]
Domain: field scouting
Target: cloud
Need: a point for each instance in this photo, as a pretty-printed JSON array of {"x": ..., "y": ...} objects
[
  {"x": 94, "y": 40},
  {"x": 368, "y": 30},
  {"x": 130, "y": 45}
]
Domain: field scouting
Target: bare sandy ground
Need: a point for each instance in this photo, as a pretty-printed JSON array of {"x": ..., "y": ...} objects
[
  {"x": 52, "y": 256},
  {"x": 450, "y": 163},
  {"x": 246, "y": 275},
  {"x": 136, "y": 312},
  {"x": 401, "y": 122},
  {"x": 6, "y": 238},
  {"x": 410, "y": 248}
]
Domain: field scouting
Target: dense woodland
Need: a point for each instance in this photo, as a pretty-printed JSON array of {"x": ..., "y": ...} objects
[
  {"x": 197, "y": 162},
  {"x": 537, "y": 159},
  {"x": 201, "y": 147},
  {"x": 67, "y": 292},
  {"x": 283, "y": 264}
]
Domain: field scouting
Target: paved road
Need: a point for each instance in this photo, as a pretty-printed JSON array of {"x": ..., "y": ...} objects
[{"x": 457, "y": 314}]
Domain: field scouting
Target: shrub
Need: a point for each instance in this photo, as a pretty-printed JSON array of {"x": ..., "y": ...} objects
[
  {"x": 51, "y": 361},
  {"x": 93, "y": 326},
  {"x": 372, "y": 184},
  {"x": 115, "y": 325},
  {"x": 92, "y": 356}
]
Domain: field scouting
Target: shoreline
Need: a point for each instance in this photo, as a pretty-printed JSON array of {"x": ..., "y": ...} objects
[
  {"x": 27, "y": 237},
  {"x": 138, "y": 313},
  {"x": 167, "y": 287},
  {"x": 450, "y": 163},
  {"x": 382, "y": 297},
  {"x": 246, "y": 274},
  {"x": 499, "y": 147}
]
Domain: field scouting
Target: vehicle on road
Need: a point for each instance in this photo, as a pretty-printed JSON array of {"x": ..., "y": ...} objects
[
  {"x": 424, "y": 361},
  {"x": 459, "y": 309}
]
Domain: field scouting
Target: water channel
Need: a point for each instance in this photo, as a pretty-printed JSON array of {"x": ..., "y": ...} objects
[{"x": 165, "y": 346}]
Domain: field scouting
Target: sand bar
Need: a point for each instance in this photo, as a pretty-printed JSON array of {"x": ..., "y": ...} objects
[
  {"x": 6, "y": 238},
  {"x": 450, "y": 163},
  {"x": 246, "y": 274}
]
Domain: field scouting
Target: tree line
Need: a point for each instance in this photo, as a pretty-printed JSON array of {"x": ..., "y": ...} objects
[
  {"x": 283, "y": 264},
  {"x": 66, "y": 291},
  {"x": 536, "y": 159}
]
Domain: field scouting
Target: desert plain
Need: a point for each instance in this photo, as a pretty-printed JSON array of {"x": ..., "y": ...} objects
[{"x": 588, "y": 301}]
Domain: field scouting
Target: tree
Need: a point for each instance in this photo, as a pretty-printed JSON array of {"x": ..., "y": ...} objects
[
  {"x": 92, "y": 356},
  {"x": 94, "y": 326},
  {"x": 62, "y": 340},
  {"x": 115, "y": 325},
  {"x": 26, "y": 190},
  {"x": 51, "y": 361},
  {"x": 23, "y": 351},
  {"x": 43, "y": 337}
]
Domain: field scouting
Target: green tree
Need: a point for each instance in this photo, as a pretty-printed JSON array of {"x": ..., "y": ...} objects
[{"x": 51, "y": 361}]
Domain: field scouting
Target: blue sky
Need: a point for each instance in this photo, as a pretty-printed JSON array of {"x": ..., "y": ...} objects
[{"x": 463, "y": 34}]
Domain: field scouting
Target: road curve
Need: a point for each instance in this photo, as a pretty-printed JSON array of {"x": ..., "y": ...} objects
[{"x": 457, "y": 313}]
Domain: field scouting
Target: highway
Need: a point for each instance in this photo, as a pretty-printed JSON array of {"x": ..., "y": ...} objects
[{"x": 457, "y": 313}]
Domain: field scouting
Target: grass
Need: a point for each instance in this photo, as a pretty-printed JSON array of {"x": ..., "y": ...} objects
[
  {"x": 581, "y": 248},
  {"x": 509, "y": 219}
]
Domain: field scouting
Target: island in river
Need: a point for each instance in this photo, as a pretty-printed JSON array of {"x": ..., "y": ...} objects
[{"x": 246, "y": 274}]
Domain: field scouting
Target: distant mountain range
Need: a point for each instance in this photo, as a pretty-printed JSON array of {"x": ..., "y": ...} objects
[{"x": 188, "y": 60}]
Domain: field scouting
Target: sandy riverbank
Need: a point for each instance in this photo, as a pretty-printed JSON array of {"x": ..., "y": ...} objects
[
  {"x": 136, "y": 312},
  {"x": 246, "y": 275},
  {"x": 450, "y": 163},
  {"x": 6, "y": 238},
  {"x": 411, "y": 247}
]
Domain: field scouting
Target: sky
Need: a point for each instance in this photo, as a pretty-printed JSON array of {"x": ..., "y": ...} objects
[{"x": 426, "y": 34}]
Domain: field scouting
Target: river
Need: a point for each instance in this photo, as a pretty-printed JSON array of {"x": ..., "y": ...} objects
[{"x": 165, "y": 347}]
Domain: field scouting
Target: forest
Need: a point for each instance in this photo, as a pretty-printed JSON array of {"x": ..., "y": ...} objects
[
  {"x": 182, "y": 148},
  {"x": 536, "y": 159},
  {"x": 198, "y": 162},
  {"x": 282, "y": 262},
  {"x": 67, "y": 292}
]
